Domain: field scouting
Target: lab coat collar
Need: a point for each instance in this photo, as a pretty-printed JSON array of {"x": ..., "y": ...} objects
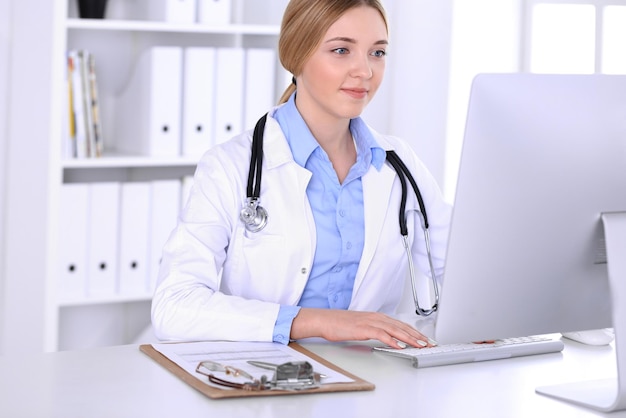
[
  {"x": 377, "y": 187},
  {"x": 377, "y": 193},
  {"x": 276, "y": 148}
]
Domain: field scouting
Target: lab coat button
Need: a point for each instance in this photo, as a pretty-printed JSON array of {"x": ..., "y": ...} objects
[{"x": 303, "y": 271}]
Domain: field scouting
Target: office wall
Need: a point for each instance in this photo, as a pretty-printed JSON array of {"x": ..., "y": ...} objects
[
  {"x": 412, "y": 102},
  {"x": 437, "y": 46},
  {"x": 486, "y": 38},
  {"x": 33, "y": 115},
  {"x": 421, "y": 66},
  {"x": 5, "y": 44}
]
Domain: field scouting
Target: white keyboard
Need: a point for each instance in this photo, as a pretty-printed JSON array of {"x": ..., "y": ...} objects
[{"x": 443, "y": 355}]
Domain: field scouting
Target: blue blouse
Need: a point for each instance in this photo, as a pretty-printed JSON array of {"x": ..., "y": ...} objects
[{"x": 337, "y": 211}]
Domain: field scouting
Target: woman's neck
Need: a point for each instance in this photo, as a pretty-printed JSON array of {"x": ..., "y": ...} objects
[
  {"x": 334, "y": 136},
  {"x": 336, "y": 140}
]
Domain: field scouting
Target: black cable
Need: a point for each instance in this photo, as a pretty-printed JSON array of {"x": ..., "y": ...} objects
[
  {"x": 392, "y": 157},
  {"x": 256, "y": 159},
  {"x": 403, "y": 172}
]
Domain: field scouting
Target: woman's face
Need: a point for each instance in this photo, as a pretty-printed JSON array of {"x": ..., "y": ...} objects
[{"x": 345, "y": 71}]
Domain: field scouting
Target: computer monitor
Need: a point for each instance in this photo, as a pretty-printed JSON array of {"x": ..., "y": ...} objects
[{"x": 544, "y": 157}]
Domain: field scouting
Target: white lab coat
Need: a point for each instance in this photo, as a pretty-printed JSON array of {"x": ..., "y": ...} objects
[{"x": 218, "y": 281}]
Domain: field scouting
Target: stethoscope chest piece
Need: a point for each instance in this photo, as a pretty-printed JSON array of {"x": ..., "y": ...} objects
[{"x": 253, "y": 215}]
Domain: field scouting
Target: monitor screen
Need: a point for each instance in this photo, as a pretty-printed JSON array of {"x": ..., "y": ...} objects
[{"x": 543, "y": 157}]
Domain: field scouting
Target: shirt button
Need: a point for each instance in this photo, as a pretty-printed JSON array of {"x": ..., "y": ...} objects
[
  {"x": 342, "y": 213},
  {"x": 349, "y": 245}
]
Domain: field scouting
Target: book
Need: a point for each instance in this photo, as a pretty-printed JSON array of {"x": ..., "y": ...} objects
[
  {"x": 86, "y": 95},
  {"x": 84, "y": 133},
  {"x": 69, "y": 144},
  {"x": 79, "y": 138},
  {"x": 94, "y": 107}
]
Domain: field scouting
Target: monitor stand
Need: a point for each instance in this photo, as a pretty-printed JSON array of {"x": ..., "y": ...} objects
[{"x": 605, "y": 395}]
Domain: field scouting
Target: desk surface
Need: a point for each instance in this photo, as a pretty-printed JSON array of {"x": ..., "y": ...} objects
[{"x": 123, "y": 382}]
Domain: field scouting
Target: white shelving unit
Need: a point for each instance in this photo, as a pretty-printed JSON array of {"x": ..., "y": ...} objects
[
  {"x": 36, "y": 318},
  {"x": 164, "y": 27}
]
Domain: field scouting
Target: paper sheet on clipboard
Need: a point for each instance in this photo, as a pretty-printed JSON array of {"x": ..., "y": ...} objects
[{"x": 237, "y": 354}]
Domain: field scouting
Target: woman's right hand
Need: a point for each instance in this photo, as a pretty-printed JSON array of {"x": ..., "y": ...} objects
[{"x": 344, "y": 325}]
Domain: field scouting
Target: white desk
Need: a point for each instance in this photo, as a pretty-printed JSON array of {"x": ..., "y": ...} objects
[{"x": 123, "y": 382}]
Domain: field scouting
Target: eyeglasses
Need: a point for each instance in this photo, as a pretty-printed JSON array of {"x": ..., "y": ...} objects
[
  {"x": 212, "y": 366},
  {"x": 206, "y": 367},
  {"x": 296, "y": 375}
]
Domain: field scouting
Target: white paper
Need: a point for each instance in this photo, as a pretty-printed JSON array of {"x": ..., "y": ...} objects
[{"x": 237, "y": 354}]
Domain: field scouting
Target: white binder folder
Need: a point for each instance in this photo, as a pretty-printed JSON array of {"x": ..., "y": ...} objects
[
  {"x": 214, "y": 12},
  {"x": 73, "y": 211},
  {"x": 103, "y": 238},
  {"x": 229, "y": 93},
  {"x": 149, "y": 110},
  {"x": 133, "y": 242},
  {"x": 164, "y": 210},
  {"x": 260, "y": 84},
  {"x": 198, "y": 100},
  {"x": 173, "y": 11}
]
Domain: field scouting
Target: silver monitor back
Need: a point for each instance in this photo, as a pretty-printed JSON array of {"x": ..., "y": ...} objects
[{"x": 543, "y": 157}]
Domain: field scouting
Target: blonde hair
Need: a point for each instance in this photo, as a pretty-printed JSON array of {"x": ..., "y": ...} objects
[{"x": 304, "y": 24}]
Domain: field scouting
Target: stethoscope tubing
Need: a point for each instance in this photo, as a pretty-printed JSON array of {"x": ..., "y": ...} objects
[
  {"x": 256, "y": 159},
  {"x": 254, "y": 216}
]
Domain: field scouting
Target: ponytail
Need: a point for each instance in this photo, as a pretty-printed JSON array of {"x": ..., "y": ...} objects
[{"x": 288, "y": 92}]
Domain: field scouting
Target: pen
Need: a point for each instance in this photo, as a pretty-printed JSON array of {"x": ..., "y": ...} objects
[{"x": 272, "y": 366}]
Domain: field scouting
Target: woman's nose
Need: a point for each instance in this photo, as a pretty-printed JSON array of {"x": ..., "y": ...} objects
[{"x": 362, "y": 67}]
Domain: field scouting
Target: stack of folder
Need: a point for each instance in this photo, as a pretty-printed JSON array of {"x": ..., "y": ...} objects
[
  {"x": 182, "y": 101},
  {"x": 111, "y": 237}
]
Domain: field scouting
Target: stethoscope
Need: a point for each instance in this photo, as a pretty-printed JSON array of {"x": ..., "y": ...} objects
[{"x": 254, "y": 216}]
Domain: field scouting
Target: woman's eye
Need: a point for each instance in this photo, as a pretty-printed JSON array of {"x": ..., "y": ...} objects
[
  {"x": 379, "y": 53},
  {"x": 340, "y": 51}
]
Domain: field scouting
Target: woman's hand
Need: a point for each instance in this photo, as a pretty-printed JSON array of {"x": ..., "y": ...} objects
[{"x": 341, "y": 325}]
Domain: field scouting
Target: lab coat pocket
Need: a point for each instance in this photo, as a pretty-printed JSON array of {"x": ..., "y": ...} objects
[{"x": 266, "y": 258}]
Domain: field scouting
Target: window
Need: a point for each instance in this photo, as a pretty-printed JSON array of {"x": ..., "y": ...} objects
[
  {"x": 614, "y": 40},
  {"x": 574, "y": 36},
  {"x": 543, "y": 36}
]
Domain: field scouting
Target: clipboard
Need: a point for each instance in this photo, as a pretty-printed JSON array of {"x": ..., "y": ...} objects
[{"x": 217, "y": 393}]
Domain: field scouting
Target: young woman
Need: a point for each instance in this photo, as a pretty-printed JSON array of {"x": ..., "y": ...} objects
[{"x": 329, "y": 260}]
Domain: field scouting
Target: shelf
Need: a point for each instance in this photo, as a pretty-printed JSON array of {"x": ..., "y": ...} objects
[
  {"x": 129, "y": 162},
  {"x": 151, "y": 26},
  {"x": 103, "y": 300},
  {"x": 48, "y": 318}
]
